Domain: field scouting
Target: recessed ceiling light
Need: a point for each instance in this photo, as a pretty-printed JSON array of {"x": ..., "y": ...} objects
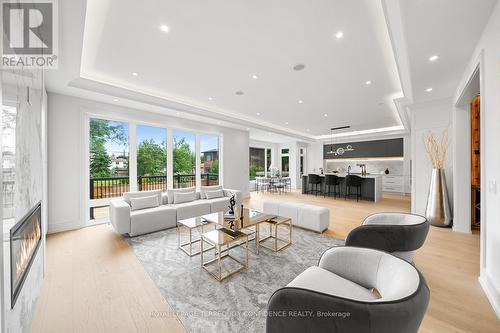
[
  {"x": 286, "y": 122},
  {"x": 255, "y": 77},
  {"x": 339, "y": 35},
  {"x": 258, "y": 113},
  {"x": 164, "y": 28},
  {"x": 299, "y": 67},
  {"x": 308, "y": 130},
  {"x": 433, "y": 58},
  {"x": 239, "y": 93},
  {"x": 325, "y": 115},
  {"x": 134, "y": 73},
  {"x": 210, "y": 98},
  {"x": 428, "y": 89},
  {"x": 115, "y": 100},
  {"x": 301, "y": 101},
  {"x": 368, "y": 82}
]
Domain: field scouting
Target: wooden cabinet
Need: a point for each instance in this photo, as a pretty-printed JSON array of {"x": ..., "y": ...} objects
[{"x": 475, "y": 135}]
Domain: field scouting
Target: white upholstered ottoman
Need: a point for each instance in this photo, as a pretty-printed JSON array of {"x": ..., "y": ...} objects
[{"x": 309, "y": 217}]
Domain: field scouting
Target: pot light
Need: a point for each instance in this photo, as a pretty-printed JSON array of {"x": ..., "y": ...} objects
[
  {"x": 286, "y": 122},
  {"x": 164, "y": 28},
  {"x": 368, "y": 82},
  {"x": 239, "y": 93},
  {"x": 258, "y": 113},
  {"x": 134, "y": 73},
  {"x": 301, "y": 101},
  {"x": 325, "y": 115},
  {"x": 210, "y": 98},
  {"x": 339, "y": 35},
  {"x": 428, "y": 89},
  {"x": 433, "y": 58},
  {"x": 308, "y": 130},
  {"x": 255, "y": 77},
  {"x": 299, "y": 67},
  {"x": 115, "y": 100}
]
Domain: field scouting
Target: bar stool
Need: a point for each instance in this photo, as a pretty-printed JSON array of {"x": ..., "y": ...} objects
[
  {"x": 332, "y": 180},
  {"x": 314, "y": 180},
  {"x": 350, "y": 182}
]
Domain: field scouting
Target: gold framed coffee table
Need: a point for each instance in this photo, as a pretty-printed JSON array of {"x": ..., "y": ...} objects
[
  {"x": 276, "y": 222},
  {"x": 191, "y": 224},
  {"x": 219, "y": 239}
]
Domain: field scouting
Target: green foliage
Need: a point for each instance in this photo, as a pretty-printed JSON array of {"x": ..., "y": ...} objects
[
  {"x": 151, "y": 159},
  {"x": 100, "y": 132},
  {"x": 253, "y": 169},
  {"x": 214, "y": 168},
  {"x": 184, "y": 158},
  {"x": 100, "y": 162}
]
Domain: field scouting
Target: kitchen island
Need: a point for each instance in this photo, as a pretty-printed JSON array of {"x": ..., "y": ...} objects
[{"x": 371, "y": 187}]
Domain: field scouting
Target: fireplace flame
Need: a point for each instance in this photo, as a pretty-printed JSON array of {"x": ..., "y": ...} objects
[{"x": 28, "y": 246}]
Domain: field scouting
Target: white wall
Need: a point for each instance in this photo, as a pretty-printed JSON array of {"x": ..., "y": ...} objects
[
  {"x": 436, "y": 117},
  {"x": 66, "y": 146},
  {"x": 488, "y": 52}
]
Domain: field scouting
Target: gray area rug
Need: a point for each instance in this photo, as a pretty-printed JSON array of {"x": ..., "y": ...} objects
[{"x": 237, "y": 304}]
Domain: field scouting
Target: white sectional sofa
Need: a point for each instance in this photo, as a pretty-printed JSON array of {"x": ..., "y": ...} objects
[
  {"x": 143, "y": 212},
  {"x": 309, "y": 217}
]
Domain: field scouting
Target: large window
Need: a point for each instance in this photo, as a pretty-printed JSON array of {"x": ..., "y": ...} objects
[
  {"x": 151, "y": 158},
  {"x": 109, "y": 162},
  {"x": 268, "y": 159},
  {"x": 209, "y": 158},
  {"x": 184, "y": 159},
  {"x": 285, "y": 162},
  {"x": 257, "y": 164}
]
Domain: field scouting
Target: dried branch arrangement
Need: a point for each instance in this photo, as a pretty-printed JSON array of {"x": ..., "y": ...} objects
[{"x": 436, "y": 150}]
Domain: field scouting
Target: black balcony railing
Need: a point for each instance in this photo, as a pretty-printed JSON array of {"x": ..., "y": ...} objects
[{"x": 112, "y": 187}]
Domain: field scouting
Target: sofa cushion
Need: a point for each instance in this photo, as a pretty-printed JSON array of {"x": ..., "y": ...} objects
[
  {"x": 141, "y": 194},
  {"x": 144, "y": 202},
  {"x": 219, "y": 204},
  {"x": 204, "y": 189},
  {"x": 192, "y": 209},
  {"x": 152, "y": 219},
  {"x": 182, "y": 197},
  {"x": 323, "y": 281},
  {"x": 214, "y": 194},
  {"x": 170, "y": 193}
]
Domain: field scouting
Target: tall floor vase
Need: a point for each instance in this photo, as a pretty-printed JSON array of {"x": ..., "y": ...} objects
[{"x": 438, "y": 211}]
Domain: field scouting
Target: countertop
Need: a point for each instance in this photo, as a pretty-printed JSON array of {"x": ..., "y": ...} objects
[{"x": 342, "y": 175}]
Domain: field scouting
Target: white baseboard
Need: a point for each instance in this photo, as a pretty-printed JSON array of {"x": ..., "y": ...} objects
[
  {"x": 491, "y": 292},
  {"x": 64, "y": 226}
]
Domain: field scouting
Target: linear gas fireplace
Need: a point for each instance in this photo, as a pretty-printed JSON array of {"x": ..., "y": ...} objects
[{"x": 25, "y": 239}]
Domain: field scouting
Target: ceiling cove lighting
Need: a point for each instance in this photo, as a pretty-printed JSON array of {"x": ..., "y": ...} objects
[
  {"x": 339, "y": 35},
  {"x": 428, "y": 89},
  {"x": 164, "y": 28},
  {"x": 433, "y": 58}
]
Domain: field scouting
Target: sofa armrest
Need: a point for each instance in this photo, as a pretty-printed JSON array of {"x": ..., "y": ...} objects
[
  {"x": 119, "y": 215},
  {"x": 237, "y": 196}
]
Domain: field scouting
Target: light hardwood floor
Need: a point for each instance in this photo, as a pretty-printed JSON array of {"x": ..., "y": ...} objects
[{"x": 94, "y": 283}]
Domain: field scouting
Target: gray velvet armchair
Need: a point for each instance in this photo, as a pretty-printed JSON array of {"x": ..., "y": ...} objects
[
  {"x": 397, "y": 233},
  {"x": 351, "y": 290}
]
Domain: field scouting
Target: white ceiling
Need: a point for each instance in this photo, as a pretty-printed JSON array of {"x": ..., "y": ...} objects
[
  {"x": 448, "y": 28},
  {"x": 213, "y": 48}
]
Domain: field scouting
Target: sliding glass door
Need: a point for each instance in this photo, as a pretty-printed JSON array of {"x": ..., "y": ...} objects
[{"x": 108, "y": 164}]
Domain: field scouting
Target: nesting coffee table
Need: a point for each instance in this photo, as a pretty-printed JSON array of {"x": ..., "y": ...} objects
[{"x": 194, "y": 223}]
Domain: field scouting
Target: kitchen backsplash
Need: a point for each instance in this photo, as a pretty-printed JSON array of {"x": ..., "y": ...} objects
[{"x": 374, "y": 167}]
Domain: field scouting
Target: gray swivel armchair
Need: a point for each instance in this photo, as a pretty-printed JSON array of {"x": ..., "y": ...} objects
[
  {"x": 397, "y": 233},
  {"x": 351, "y": 290}
]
